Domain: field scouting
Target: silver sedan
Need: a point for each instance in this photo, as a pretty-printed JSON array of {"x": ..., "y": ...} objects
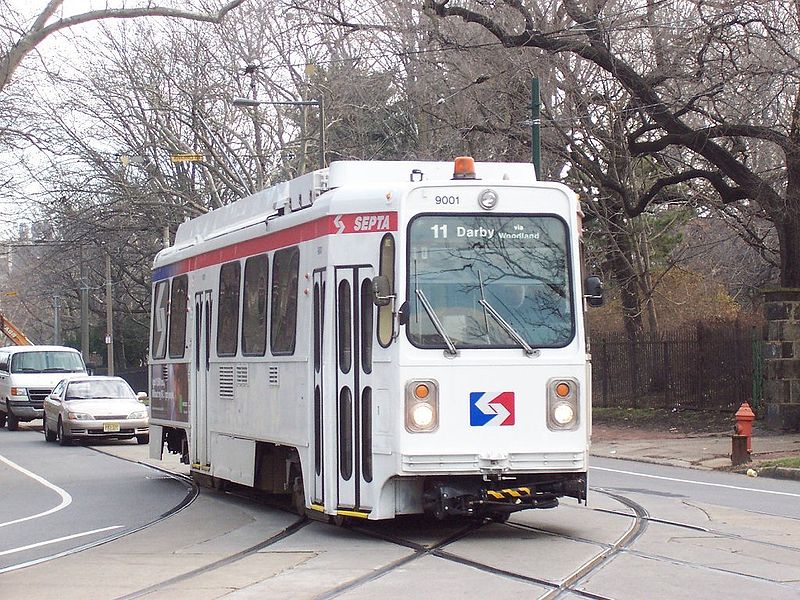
[{"x": 94, "y": 408}]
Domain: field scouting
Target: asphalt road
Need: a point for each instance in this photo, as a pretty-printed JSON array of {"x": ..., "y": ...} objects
[
  {"x": 763, "y": 495},
  {"x": 649, "y": 531},
  {"x": 55, "y": 499}
]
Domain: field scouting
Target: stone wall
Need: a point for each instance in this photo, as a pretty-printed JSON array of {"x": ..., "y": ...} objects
[{"x": 782, "y": 359}]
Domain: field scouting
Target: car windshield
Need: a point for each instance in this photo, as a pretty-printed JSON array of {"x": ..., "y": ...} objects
[
  {"x": 47, "y": 361},
  {"x": 98, "y": 390},
  {"x": 473, "y": 269}
]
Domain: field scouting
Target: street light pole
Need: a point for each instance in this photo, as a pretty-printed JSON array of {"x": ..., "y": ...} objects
[{"x": 320, "y": 104}]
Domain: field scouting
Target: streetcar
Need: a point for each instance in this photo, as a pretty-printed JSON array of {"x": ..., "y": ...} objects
[{"x": 380, "y": 338}]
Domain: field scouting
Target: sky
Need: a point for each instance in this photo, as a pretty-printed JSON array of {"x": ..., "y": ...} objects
[{"x": 58, "y": 53}]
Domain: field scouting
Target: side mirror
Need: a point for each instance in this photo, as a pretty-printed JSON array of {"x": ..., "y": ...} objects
[
  {"x": 143, "y": 398},
  {"x": 593, "y": 291},
  {"x": 381, "y": 291}
]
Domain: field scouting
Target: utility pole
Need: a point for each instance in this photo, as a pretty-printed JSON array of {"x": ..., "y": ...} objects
[
  {"x": 56, "y": 320},
  {"x": 109, "y": 318},
  {"x": 536, "y": 142},
  {"x": 84, "y": 309}
]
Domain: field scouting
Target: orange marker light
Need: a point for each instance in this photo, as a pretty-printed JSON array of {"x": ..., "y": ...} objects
[
  {"x": 421, "y": 391},
  {"x": 464, "y": 168},
  {"x": 562, "y": 390}
]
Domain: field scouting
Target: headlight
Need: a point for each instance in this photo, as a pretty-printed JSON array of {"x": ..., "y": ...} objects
[
  {"x": 78, "y": 416},
  {"x": 422, "y": 406},
  {"x": 138, "y": 414},
  {"x": 18, "y": 391},
  {"x": 562, "y": 404},
  {"x": 563, "y": 414},
  {"x": 422, "y": 415}
]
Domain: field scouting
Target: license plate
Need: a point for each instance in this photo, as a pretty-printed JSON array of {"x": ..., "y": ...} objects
[{"x": 110, "y": 427}]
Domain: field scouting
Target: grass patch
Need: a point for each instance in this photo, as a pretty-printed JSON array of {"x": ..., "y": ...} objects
[
  {"x": 792, "y": 462},
  {"x": 663, "y": 419}
]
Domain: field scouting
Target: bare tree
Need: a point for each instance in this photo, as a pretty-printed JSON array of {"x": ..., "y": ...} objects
[
  {"x": 719, "y": 81},
  {"x": 22, "y": 38}
]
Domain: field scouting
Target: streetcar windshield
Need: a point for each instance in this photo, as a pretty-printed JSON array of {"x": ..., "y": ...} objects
[{"x": 472, "y": 269}]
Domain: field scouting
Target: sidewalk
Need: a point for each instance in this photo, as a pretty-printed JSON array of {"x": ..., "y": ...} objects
[{"x": 697, "y": 451}]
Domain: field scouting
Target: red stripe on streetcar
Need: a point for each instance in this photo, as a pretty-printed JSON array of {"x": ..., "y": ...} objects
[{"x": 328, "y": 225}]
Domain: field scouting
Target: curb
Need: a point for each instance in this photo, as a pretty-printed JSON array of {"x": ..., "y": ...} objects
[
  {"x": 779, "y": 473},
  {"x": 769, "y": 472}
]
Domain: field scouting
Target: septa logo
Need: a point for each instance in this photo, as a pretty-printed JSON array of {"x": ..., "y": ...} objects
[{"x": 490, "y": 408}]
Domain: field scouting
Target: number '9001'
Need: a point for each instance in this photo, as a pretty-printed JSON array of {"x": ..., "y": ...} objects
[{"x": 451, "y": 200}]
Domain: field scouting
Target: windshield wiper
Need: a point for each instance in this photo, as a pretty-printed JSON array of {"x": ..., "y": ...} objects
[
  {"x": 508, "y": 328},
  {"x": 451, "y": 347}
]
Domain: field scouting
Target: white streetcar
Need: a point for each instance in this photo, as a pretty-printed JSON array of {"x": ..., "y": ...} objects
[{"x": 379, "y": 339}]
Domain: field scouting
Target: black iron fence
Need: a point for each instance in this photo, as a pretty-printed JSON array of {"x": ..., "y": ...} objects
[{"x": 707, "y": 367}]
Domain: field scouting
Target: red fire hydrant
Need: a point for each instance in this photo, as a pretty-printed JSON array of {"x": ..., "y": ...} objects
[{"x": 744, "y": 423}]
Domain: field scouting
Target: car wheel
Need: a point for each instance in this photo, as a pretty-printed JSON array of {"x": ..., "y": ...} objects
[
  {"x": 2, "y": 420},
  {"x": 64, "y": 440},
  {"x": 49, "y": 436},
  {"x": 13, "y": 422},
  {"x": 143, "y": 439}
]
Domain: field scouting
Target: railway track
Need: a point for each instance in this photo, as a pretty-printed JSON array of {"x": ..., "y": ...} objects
[
  {"x": 555, "y": 588},
  {"x": 513, "y": 555},
  {"x": 438, "y": 549},
  {"x": 442, "y": 546}
]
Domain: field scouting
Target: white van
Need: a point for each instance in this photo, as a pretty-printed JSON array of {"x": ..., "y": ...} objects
[{"x": 27, "y": 376}]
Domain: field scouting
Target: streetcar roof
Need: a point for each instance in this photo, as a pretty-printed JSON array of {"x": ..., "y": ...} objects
[{"x": 302, "y": 191}]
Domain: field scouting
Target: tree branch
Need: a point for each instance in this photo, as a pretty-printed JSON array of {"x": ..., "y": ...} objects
[
  {"x": 39, "y": 31},
  {"x": 727, "y": 192},
  {"x": 697, "y": 139}
]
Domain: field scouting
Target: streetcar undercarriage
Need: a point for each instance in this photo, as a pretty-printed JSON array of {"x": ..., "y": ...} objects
[{"x": 476, "y": 497}]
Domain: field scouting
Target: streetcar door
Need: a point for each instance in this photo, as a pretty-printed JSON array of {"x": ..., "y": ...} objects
[
  {"x": 365, "y": 316},
  {"x": 318, "y": 301},
  {"x": 350, "y": 383},
  {"x": 203, "y": 305}
]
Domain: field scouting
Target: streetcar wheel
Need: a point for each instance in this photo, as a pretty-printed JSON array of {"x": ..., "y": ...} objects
[
  {"x": 299, "y": 497},
  {"x": 499, "y": 517}
]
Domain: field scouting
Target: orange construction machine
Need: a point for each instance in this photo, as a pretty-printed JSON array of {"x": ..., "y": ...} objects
[{"x": 13, "y": 332}]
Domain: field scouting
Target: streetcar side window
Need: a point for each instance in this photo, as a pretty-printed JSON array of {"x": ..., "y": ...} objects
[
  {"x": 160, "y": 318},
  {"x": 366, "y": 325},
  {"x": 346, "y": 433},
  {"x": 254, "y": 306},
  {"x": 344, "y": 325},
  {"x": 228, "y": 311},
  {"x": 386, "y": 268},
  {"x": 366, "y": 433},
  {"x": 177, "y": 317},
  {"x": 317, "y": 329},
  {"x": 283, "y": 315}
]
